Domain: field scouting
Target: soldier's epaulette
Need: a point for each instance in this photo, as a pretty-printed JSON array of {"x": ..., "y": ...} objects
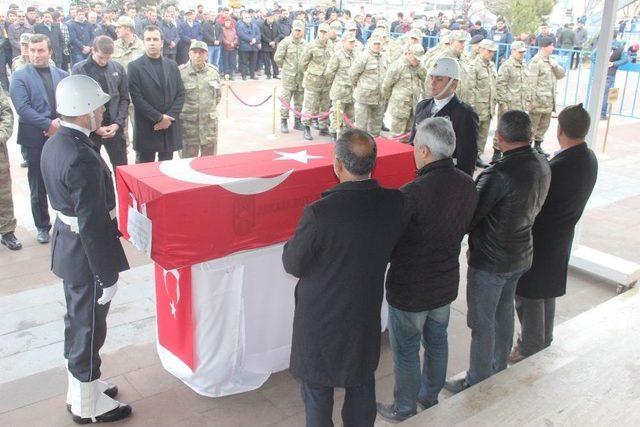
[
  {"x": 215, "y": 67},
  {"x": 183, "y": 66}
]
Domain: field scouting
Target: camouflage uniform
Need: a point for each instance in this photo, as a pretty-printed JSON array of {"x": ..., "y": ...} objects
[
  {"x": 367, "y": 73},
  {"x": 353, "y": 27},
  {"x": 123, "y": 54},
  {"x": 199, "y": 117},
  {"x": 482, "y": 94},
  {"x": 313, "y": 62},
  {"x": 543, "y": 77},
  {"x": 512, "y": 86},
  {"x": 337, "y": 74},
  {"x": 401, "y": 89},
  {"x": 7, "y": 218},
  {"x": 287, "y": 57}
]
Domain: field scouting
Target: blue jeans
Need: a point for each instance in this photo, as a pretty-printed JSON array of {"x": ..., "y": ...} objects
[
  {"x": 406, "y": 330},
  {"x": 490, "y": 316},
  {"x": 611, "y": 81},
  {"x": 358, "y": 409},
  {"x": 214, "y": 55}
]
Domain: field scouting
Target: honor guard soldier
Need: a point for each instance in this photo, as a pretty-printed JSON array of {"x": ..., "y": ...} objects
[
  {"x": 316, "y": 91},
  {"x": 86, "y": 252},
  {"x": 337, "y": 75},
  {"x": 512, "y": 86},
  {"x": 352, "y": 28},
  {"x": 482, "y": 93},
  {"x": 367, "y": 73},
  {"x": 287, "y": 57},
  {"x": 544, "y": 73},
  {"x": 7, "y": 218},
  {"x": 401, "y": 89},
  {"x": 202, "y": 95}
]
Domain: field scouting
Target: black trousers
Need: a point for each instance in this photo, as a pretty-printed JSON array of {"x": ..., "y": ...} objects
[
  {"x": 39, "y": 203},
  {"x": 116, "y": 148},
  {"x": 358, "y": 409},
  {"x": 171, "y": 56},
  {"x": 150, "y": 156},
  {"x": 228, "y": 62},
  {"x": 248, "y": 63},
  {"x": 270, "y": 66},
  {"x": 85, "y": 328}
]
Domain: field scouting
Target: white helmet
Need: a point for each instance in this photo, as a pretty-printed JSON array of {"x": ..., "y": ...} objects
[
  {"x": 77, "y": 95},
  {"x": 446, "y": 67}
]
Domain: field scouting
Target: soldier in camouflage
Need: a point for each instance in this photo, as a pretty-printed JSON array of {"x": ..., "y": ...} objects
[
  {"x": 482, "y": 93},
  {"x": 428, "y": 62},
  {"x": 404, "y": 42},
  {"x": 543, "y": 76},
  {"x": 512, "y": 86},
  {"x": 401, "y": 89},
  {"x": 287, "y": 57},
  {"x": 7, "y": 218},
  {"x": 352, "y": 27},
  {"x": 23, "y": 59},
  {"x": 313, "y": 62},
  {"x": 199, "y": 115},
  {"x": 337, "y": 75},
  {"x": 367, "y": 74}
]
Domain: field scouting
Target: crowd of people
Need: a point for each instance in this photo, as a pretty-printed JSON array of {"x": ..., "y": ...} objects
[{"x": 440, "y": 82}]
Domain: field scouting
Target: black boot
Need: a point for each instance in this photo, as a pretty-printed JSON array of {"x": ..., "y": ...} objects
[
  {"x": 538, "y": 146},
  {"x": 297, "y": 124},
  {"x": 11, "y": 242},
  {"x": 284, "y": 126},
  {"x": 481, "y": 163},
  {"x": 324, "y": 132},
  {"x": 307, "y": 133},
  {"x": 497, "y": 155},
  {"x": 384, "y": 128},
  {"x": 334, "y": 136},
  {"x": 316, "y": 125}
]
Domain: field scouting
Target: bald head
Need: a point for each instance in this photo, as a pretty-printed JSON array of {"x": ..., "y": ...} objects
[{"x": 356, "y": 152}]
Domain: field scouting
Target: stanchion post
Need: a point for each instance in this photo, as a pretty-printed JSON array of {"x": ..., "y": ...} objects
[
  {"x": 338, "y": 117},
  {"x": 606, "y": 132},
  {"x": 273, "y": 115},
  {"x": 226, "y": 97}
]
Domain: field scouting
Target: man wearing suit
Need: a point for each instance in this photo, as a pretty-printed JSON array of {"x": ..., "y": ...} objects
[
  {"x": 573, "y": 175},
  {"x": 51, "y": 30},
  {"x": 444, "y": 78},
  {"x": 340, "y": 252},
  {"x": 80, "y": 37},
  {"x": 157, "y": 94},
  {"x": 189, "y": 31},
  {"x": 87, "y": 254},
  {"x": 113, "y": 80},
  {"x": 33, "y": 94}
]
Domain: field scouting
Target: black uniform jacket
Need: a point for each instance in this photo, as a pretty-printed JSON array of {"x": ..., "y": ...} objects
[
  {"x": 340, "y": 252},
  {"x": 79, "y": 184},
  {"x": 573, "y": 176}
]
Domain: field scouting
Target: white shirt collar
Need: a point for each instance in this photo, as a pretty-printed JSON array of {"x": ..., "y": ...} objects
[
  {"x": 75, "y": 126},
  {"x": 440, "y": 103}
]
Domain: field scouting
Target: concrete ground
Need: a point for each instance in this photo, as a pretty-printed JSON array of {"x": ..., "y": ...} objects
[{"x": 32, "y": 377}]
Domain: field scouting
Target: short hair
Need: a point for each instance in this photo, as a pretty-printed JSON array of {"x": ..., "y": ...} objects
[
  {"x": 151, "y": 28},
  {"x": 357, "y": 151},
  {"x": 103, "y": 44},
  {"x": 39, "y": 38},
  {"x": 574, "y": 121},
  {"x": 515, "y": 126},
  {"x": 437, "y": 135}
]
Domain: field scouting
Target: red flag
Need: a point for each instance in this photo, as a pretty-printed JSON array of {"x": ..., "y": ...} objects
[{"x": 174, "y": 313}]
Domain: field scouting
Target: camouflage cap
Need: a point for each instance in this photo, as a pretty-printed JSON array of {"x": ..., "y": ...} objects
[
  {"x": 198, "y": 44},
  {"x": 488, "y": 44},
  {"x": 444, "y": 36},
  {"x": 375, "y": 40},
  {"x": 324, "y": 27},
  {"x": 25, "y": 38},
  {"x": 518, "y": 46},
  {"x": 125, "y": 21},
  {"x": 416, "y": 50},
  {"x": 379, "y": 32},
  {"x": 298, "y": 25},
  {"x": 416, "y": 34},
  {"x": 459, "y": 35},
  {"x": 351, "y": 26},
  {"x": 382, "y": 24},
  {"x": 348, "y": 37},
  {"x": 336, "y": 25}
]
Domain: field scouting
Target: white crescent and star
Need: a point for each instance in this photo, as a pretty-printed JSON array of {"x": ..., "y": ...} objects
[
  {"x": 172, "y": 304},
  {"x": 181, "y": 170}
]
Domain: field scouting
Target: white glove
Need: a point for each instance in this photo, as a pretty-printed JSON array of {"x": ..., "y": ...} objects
[{"x": 108, "y": 294}]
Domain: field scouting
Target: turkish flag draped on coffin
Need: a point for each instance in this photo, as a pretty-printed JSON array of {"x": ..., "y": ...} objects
[{"x": 210, "y": 207}]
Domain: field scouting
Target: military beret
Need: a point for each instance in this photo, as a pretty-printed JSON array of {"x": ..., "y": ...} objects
[
  {"x": 198, "y": 44},
  {"x": 477, "y": 39},
  {"x": 518, "y": 46},
  {"x": 488, "y": 44},
  {"x": 545, "y": 41}
]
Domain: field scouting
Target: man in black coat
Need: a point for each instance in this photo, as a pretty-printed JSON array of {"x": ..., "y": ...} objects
[
  {"x": 86, "y": 251},
  {"x": 424, "y": 275},
  {"x": 573, "y": 175},
  {"x": 113, "y": 81},
  {"x": 51, "y": 30},
  {"x": 443, "y": 82},
  {"x": 157, "y": 94},
  {"x": 269, "y": 38},
  {"x": 511, "y": 192},
  {"x": 340, "y": 252}
]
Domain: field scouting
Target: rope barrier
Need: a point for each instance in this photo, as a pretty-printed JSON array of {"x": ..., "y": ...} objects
[
  {"x": 246, "y": 103},
  {"x": 395, "y": 138},
  {"x": 297, "y": 113}
]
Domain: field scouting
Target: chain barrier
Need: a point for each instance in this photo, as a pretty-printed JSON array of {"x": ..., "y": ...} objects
[
  {"x": 297, "y": 113},
  {"x": 246, "y": 103}
]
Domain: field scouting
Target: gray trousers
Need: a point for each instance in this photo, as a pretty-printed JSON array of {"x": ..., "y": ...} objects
[
  {"x": 536, "y": 319},
  {"x": 85, "y": 329}
]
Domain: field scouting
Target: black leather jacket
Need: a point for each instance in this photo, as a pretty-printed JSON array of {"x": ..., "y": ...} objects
[{"x": 511, "y": 193}]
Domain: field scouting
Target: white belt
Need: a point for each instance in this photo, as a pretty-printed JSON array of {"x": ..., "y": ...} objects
[{"x": 72, "y": 221}]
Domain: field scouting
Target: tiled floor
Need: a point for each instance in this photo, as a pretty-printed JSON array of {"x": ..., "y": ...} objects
[{"x": 34, "y": 386}]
